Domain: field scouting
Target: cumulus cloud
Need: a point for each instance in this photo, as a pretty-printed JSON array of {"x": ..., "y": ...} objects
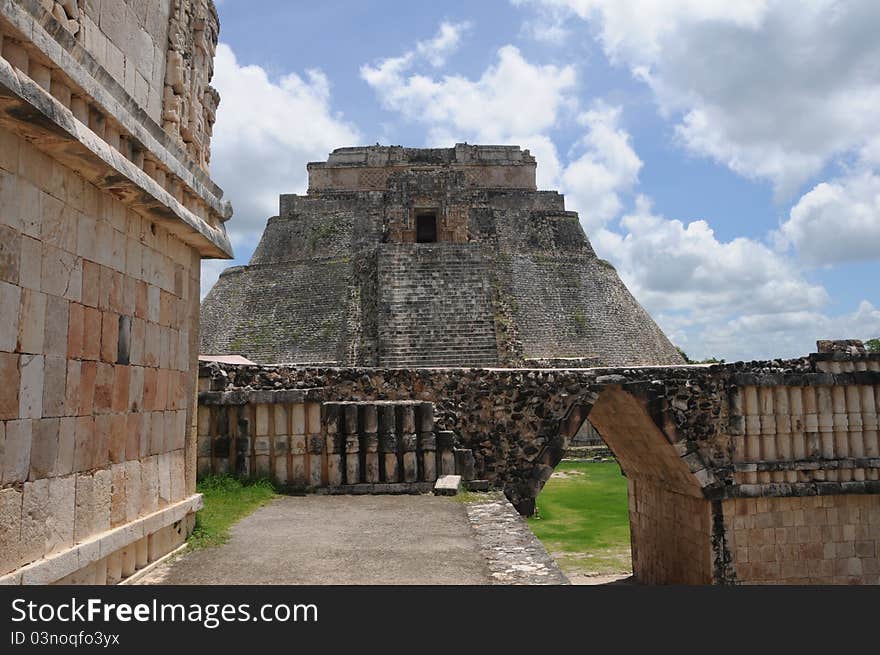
[
  {"x": 836, "y": 221},
  {"x": 787, "y": 334},
  {"x": 512, "y": 102},
  {"x": 736, "y": 299},
  {"x": 266, "y": 132},
  {"x": 608, "y": 167},
  {"x": 512, "y": 96},
  {"x": 445, "y": 42},
  {"x": 674, "y": 266},
  {"x": 774, "y": 90}
]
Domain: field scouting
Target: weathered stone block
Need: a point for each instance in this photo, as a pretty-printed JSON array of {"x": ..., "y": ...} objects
[
  {"x": 44, "y": 448},
  {"x": 32, "y": 322},
  {"x": 10, "y": 309},
  {"x": 15, "y": 454},
  {"x": 10, "y": 254},
  {"x": 447, "y": 485},
  {"x": 11, "y": 383},
  {"x": 54, "y": 386},
  {"x": 61, "y": 508},
  {"x": 34, "y": 516}
]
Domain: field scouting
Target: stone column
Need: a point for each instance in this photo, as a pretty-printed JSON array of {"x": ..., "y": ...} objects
[
  {"x": 783, "y": 434},
  {"x": 841, "y": 429},
  {"x": 281, "y": 443},
  {"x": 812, "y": 439},
  {"x": 465, "y": 466},
  {"x": 753, "y": 430},
  {"x": 825, "y": 420},
  {"x": 869, "y": 425},
  {"x": 427, "y": 441},
  {"x": 369, "y": 431},
  {"x": 298, "y": 446},
  {"x": 262, "y": 451},
  {"x": 334, "y": 445},
  {"x": 445, "y": 445},
  {"x": 388, "y": 443},
  {"x": 243, "y": 442},
  {"x": 736, "y": 424},
  {"x": 406, "y": 430},
  {"x": 316, "y": 459},
  {"x": 768, "y": 430},
  {"x": 855, "y": 437},
  {"x": 352, "y": 444},
  {"x": 798, "y": 436}
]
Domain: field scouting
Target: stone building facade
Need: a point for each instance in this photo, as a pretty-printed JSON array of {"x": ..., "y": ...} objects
[
  {"x": 106, "y": 209},
  {"x": 401, "y": 257}
]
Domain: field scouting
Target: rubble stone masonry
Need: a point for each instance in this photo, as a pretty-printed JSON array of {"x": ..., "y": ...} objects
[
  {"x": 105, "y": 215},
  {"x": 751, "y": 472}
]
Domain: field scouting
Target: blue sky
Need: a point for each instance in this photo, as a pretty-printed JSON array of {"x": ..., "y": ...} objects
[{"x": 724, "y": 156}]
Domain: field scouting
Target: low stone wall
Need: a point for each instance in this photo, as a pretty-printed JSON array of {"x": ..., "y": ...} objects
[
  {"x": 299, "y": 441},
  {"x": 693, "y": 441}
]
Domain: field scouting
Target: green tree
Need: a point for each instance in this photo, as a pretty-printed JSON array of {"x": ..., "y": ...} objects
[
  {"x": 873, "y": 345},
  {"x": 688, "y": 360}
]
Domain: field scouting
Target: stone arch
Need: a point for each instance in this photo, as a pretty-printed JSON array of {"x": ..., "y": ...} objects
[{"x": 672, "y": 516}]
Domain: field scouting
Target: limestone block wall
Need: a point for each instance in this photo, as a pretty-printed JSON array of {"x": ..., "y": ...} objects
[
  {"x": 831, "y": 539},
  {"x": 97, "y": 343},
  {"x": 103, "y": 223},
  {"x": 129, "y": 39},
  {"x": 671, "y": 534}
]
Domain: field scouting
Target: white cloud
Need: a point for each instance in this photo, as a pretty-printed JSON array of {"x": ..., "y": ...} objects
[
  {"x": 512, "y": 96},
  {"x": 609, "y": 166},
  {"x": 788, "y": 334},
  {"x": 836, "y": 221},
  {"x": 443, "y": 44},
  {"x": 512, "y": 102},
  {"x": 733, "y": 299},
  {"x": 774, "y": 90},
  {"x": 673, "y": 266},
  {"x": 266, "y": 132}
]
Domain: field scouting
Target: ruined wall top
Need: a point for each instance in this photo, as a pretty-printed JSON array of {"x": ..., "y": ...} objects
[{"x": 369, "y": 168}]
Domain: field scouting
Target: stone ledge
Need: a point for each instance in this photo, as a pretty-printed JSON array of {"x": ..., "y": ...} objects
[
  {"x": 30, "y": 111},
  {"x": 809, "y": 464},
  {"x": 77, "y": 63},
  {"x": 50, "y": 569},
  {"x": 513, "y": 553},
  {"x": 261, "y": 396},
  {"x": 779, "y": 489}
]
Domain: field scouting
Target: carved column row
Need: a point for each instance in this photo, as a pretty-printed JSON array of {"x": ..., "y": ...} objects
[{"x": 804, "y": 424}]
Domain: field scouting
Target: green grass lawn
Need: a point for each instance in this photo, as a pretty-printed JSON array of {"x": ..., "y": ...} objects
[
  {"x": 227, "y": 500},
  {"x": 582, "y": 518}
]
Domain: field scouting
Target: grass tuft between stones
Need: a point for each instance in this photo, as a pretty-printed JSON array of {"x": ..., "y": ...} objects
[{"x": 227, "y": 500}]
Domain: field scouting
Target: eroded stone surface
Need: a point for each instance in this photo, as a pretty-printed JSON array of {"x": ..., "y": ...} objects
[
  {"x": 514, "y": 554},
  {"x": 502, "y": 273}
]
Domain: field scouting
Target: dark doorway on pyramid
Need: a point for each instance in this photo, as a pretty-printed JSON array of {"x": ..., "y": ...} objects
[{"x": 426, "y": 227}]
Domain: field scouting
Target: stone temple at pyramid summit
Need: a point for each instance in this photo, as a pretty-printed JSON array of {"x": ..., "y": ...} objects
[{"x": 411, "y": 257}]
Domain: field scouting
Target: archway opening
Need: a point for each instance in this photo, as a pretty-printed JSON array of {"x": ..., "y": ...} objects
[
  {"x": 582, "y": 513},
  {"x": 670, "y": 521}
]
